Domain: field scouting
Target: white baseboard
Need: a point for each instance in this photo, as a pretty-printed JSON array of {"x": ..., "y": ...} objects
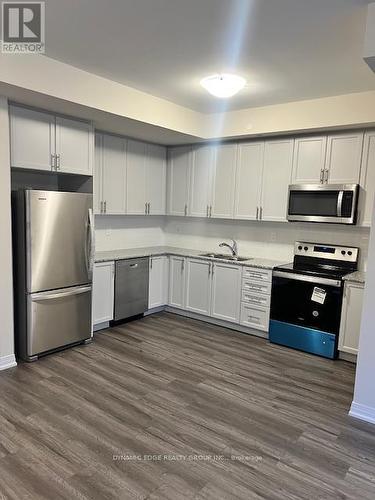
[
  {"x": 7, "y": 362},
  {"x": 362, "y": 412}
]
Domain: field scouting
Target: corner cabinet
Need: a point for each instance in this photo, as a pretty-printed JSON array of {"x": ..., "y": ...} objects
[
  {"x": 351, "y": 317},
  {"x": 103, "y": 292},
  {"x": 42, "y": 141}
]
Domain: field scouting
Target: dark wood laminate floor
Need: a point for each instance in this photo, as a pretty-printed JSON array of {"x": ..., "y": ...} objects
[{"x": 231, "y": 415}]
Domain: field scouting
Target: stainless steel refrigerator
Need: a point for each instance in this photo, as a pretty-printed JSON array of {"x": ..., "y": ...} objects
[{"x": 53, "y": 249}]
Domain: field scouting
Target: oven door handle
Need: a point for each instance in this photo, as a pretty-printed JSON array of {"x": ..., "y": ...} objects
[
  {"x": 339, "y": 203},
  {"x": 310, "y": 279}
]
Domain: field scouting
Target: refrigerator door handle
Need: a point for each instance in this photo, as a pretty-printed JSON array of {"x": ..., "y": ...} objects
[
  {"x": 40, "y": 296},
  {"x": 91, "y": 252}
]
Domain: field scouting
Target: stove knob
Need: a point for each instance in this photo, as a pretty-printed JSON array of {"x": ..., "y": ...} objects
[
  {"x": 306, "y": 248},
  {"x": 300, "y": 247},
  {"x": 343, "y": 252},
  {"x": 350, "y": 252}
]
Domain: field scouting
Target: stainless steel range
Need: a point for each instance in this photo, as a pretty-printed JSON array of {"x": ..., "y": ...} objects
[{"x": 306, "y": 297}]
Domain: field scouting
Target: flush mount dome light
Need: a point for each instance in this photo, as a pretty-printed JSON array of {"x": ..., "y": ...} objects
[{"x": 225, "y": 85}]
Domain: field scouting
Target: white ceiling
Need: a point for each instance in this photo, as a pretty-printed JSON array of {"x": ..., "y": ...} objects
[{"x": 287, "y": 49}]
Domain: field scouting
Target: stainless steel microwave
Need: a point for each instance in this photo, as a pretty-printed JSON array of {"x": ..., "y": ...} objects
[{"x": 335, "y": 203}]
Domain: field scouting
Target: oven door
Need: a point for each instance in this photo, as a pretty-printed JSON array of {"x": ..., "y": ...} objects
[
  {"x": 323, "y": 203},
  {"x": 305, "y": 312}
]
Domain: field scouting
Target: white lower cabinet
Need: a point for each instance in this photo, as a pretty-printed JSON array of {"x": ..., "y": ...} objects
[
  {"x": 198, "y": 286},
  {"x": 158, "y": 281},
  {"x": 226, "y": 292},
  {"x": 103, "y": 292},
  {"x": 256, "y": 298},
  {"x": 255, "y": 316},
  {"x": 176, "y": 295},
  {"x": 351, "y": 318}
]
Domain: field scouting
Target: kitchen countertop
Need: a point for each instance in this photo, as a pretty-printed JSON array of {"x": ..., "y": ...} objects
[
  {"x": 356, "y": 277},
  {"x": 185, "y": 252}
]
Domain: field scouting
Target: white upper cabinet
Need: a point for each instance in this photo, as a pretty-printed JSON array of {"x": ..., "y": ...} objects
[
  {"x": 367, "y": 191},
  {"x": 248, "y": 180},
  {"x": 32, "y": 138},
  {"x": 176, "y": 296},
  {"x": 136, "y": 202},
  {"x": 42, "y": 141},
  {"x": 158, "y": 281},
  {"x": 178, "y": 180},
  {"x": 226, "y": 292},
  {"x": 113, "y": 174},
  {"x": 156, "y": 167},
  {"x": 198, "y": 286},
  {"x": 223, "y": 181},
  {"x": 343, "y": 159},
  {"x": 201, "y": 181},
  {"x": 74, "y": 146},
  {"x": 309, "y": 159},
  {"x": 277, "y": 174},
  {"x": 350, "y": 327}
]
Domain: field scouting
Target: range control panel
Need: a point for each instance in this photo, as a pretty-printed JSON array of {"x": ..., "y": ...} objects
[{"x": 323, "y": 251}]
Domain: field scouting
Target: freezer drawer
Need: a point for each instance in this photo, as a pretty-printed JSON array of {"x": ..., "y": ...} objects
[
  {"x": 58, "y": 318},
  {"x": 131, "y": 287}
]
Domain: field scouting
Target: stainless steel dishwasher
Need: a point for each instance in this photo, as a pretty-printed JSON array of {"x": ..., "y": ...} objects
[{"x": 131, "y": 287}]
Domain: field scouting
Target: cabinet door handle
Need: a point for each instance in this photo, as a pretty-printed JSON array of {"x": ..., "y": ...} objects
[
  {"x": 182, "y": 265},
  {"x": 151, "y": 263},
  {"x": 185, "y": 211},
  {"x": 58, "y": 162},
  {"x": 209, "y": 269},
  {"x": 101, "y": 207},
  {"x": 261, "y": 213},
  {"x": 321, "y": 175},
  {"x": 213, "y": 269},
  {"x": 53, "y": 162},
  {"x": 257, "y": 216},
  {"x": 145, "y": 208},
  {"x": 207, "y": 211},
  {"x": 326, "y": 175},
  {"x": 105, "y": 206},
  {"x": 210, "y": 210}
]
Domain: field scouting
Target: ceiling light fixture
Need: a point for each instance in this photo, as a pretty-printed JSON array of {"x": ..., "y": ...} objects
[{"x": 224, "y": 85}]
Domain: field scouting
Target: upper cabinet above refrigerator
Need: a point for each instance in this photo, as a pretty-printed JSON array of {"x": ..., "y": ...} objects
[
  {"x": 42, "y": 141},
  {"x": 328, "y": 159}
]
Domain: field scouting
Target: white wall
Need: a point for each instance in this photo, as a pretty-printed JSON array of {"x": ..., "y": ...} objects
[
  {"x": 117, "y": 232},
  {"x": 268, "y": 240},
  {"x": 6, "y": 286},
  {"x": 363, "y": 405}
]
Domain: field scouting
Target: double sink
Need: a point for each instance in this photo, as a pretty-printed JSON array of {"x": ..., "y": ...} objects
[{"x": 223, "y": 256}]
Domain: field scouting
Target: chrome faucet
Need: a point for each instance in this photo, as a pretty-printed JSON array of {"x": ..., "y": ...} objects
[{"x": 233, "y": 248}]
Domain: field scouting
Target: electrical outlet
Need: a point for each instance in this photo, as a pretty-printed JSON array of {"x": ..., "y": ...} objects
[
  {"x": 108, "y": 232},
  {"x": 273, "y": 237}
]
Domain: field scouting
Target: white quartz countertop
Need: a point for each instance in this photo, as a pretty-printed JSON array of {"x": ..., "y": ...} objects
[
  {"x": 356, "y": 277},
  {"x": 185, "y": 252}
]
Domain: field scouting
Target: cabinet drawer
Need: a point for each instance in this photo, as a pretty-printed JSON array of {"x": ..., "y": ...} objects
[
  {"x": 256, "y": 274},
  {"x": 251, "y": 286},
  {"x": 255, "y": 317},
  {"x": 256, "y": 298}
]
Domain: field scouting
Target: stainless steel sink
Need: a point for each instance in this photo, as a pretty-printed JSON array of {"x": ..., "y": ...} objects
[{"x": 224, "y": 256}]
